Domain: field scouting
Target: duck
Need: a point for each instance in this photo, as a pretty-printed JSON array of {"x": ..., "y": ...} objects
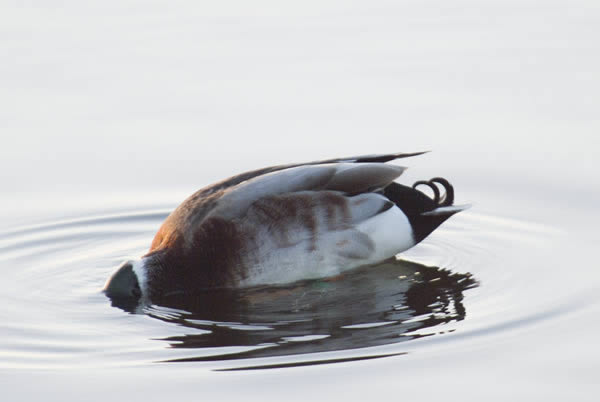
[{"x": 287, "y": 223}]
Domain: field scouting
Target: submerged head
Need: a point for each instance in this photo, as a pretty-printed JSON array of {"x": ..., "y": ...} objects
[{"x": 123, "y": 283}]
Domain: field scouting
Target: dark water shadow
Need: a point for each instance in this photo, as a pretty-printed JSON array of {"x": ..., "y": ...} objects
[{"x": 370, "y": 306}]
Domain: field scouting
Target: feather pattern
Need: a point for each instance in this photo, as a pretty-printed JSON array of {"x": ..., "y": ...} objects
[
  {"x": 285, "y": 223},
  {"x": 309, "y": 234}
]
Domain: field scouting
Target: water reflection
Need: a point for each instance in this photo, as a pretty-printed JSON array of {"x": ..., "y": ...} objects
[{"x": 369, "y": 306}]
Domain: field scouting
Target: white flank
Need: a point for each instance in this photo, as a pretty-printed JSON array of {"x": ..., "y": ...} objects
[
  {"x": 371, "y": 241},
  {"x": 390, "y": 231}
]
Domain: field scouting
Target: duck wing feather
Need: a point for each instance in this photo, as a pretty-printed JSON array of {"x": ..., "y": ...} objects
[{"x": 232, "y": 197}]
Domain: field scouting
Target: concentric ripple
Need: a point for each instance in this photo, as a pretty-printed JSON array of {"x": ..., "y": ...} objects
[{"x": 54, "y": 314}]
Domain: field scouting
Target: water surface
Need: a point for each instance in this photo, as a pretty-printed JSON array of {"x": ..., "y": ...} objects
[{"x": 111, "y": 114}]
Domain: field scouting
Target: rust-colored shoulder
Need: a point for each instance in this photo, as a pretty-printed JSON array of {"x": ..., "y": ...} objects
[{"x": 183, "y": 223}]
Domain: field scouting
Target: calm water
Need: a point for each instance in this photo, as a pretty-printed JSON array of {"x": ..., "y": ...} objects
[{"x": 112, "y": 115}]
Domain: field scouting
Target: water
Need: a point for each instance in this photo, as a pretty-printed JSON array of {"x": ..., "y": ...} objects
[{"x": 105, "y": 131}]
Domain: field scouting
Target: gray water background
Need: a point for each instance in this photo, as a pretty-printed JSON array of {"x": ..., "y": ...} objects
[{"x": 109, "y": 112}]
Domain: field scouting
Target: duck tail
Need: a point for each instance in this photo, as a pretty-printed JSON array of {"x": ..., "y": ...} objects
[{"x": 424, "y": 213}]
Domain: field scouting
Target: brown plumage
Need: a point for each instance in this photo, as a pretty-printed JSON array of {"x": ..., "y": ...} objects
[{"x": 285, "y": 223}]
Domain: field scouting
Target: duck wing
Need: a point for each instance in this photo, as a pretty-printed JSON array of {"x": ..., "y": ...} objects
[
  {"x": 346, "y": 178},
  {"x": 373, "y": 158},
  {"x": 231, "y": 198}
]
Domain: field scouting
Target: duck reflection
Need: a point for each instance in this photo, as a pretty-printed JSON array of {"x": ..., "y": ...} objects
[{"x": 370, "y": 306}]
